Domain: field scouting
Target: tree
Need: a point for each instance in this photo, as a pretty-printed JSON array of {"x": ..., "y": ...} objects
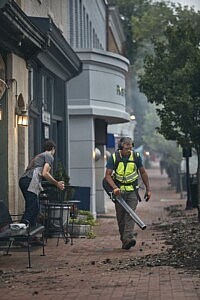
[
  {"x": 171, "y": 81},
  {"x": 141, "y": 19},
  {"x": 155, "y": 140},
  {"x": 170, "y": 153}
]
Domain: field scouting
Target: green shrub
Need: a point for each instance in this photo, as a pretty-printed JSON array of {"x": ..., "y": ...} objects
[{"x": 84, "y": 217}]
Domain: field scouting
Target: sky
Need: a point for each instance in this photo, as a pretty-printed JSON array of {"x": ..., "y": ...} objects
[{"x": 195, "y": 3}]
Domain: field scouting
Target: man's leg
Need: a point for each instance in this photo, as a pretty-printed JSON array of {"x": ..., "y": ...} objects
[
  {"x": 129, "y": 223},
  {"x": 31, "y": 203}
]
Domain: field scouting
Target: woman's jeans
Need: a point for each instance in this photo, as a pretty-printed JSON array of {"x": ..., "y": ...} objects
[{"x": 31, "y": 202}]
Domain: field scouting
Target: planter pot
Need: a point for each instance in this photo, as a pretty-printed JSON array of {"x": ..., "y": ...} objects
[
  {"x": 58, "y": 214},
  {"x": 79, "y": 230}
]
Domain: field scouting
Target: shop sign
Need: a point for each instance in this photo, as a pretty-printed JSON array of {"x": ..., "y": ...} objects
[
  {"x": 46, "y": 117},
  {"x": 46, "y": 132},
  {"x": 120, "y": 90}
]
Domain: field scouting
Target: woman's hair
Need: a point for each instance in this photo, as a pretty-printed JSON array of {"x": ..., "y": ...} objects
[{"x": 49, "y": 145}]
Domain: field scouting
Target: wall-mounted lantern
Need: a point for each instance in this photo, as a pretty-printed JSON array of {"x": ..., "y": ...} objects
[
  {"x": 22, "y": 120},
  {"x": 21, "y": 112}
]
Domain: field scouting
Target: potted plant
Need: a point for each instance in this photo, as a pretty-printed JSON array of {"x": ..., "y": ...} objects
[
  {"x": 61, "y": 175},
  {"x": 82, "y": 224}
]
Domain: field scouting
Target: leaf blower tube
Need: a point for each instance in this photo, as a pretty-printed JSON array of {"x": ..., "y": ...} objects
[{"x": 123, "y": 203}]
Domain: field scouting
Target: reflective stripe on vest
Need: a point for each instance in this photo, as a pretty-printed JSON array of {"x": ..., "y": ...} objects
[{"x": 128, "y": 175}]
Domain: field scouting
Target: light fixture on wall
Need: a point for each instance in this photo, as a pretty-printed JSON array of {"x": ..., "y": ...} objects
[
  {"x": 132, "y": 117},
  {"x": 21, "y": 112},
  {"x": 96, "y": 154},
  {"x": 107, "y": 155},
  {"x": 22, "y": 120}
]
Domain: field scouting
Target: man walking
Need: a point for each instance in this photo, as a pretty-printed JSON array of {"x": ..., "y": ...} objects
[
  {"x": 122, "y": 175},
  {"x": 30, "y": 181}
]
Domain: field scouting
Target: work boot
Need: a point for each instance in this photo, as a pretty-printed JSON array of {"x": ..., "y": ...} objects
[{"x": 127, "y": 244}]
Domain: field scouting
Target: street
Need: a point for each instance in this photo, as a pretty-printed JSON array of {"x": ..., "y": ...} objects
[{"x": 99, "y": 269}]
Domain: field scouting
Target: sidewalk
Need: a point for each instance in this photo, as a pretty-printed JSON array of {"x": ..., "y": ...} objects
[{"x": 96, "y": 268}]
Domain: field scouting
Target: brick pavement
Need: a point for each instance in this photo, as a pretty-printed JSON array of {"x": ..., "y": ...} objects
[{"x": 84, "y": 270}]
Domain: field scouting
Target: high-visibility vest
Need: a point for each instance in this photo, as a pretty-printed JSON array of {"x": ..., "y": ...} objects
[{"x": 126, "y": 174}]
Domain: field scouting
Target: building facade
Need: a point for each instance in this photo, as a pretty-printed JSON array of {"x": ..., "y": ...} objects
[
  {"x": 97, "y": 96},
  {"x": 62, "y": 65},
  {"x": 36, "y": 62}
]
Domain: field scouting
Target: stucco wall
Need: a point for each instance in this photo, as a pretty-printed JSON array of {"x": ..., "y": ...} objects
[
  {"x": 82, "y": 163},
  {"x": 17, "y": 137}
]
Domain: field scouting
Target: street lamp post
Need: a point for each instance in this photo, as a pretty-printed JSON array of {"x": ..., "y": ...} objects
[{"x": 187, "y": 153}]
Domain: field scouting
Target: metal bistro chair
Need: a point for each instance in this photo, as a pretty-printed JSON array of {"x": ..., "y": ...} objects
[
  {"x": 73, "y": 208},
  {"x": 57, "y": 211},
  {"x": 13, "y": 231},
  {"x": 54, "y": 211}
]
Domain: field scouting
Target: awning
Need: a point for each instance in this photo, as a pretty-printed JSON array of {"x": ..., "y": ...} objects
[
  {"x": 59, "y": 57},
  {"x": 31, "y": 37},
  {"x": 17, "y": 33}
]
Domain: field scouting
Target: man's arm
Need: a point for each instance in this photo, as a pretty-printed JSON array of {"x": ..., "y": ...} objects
[
  {"x": 110, "y": 181},
  {"x": 46, "y": 174},
  {"x": 145, "y": 179}
]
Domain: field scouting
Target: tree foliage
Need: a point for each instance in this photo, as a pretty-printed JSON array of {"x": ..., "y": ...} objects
[
  {"x": 142, "y": 19},
  {"x": 155, "y": 140},
  {"x": 61, "y": 175},
  {"x": 171, "y": 81},
  {"x": 169, "y": 152},
  {"x": 148, "y": 25}
]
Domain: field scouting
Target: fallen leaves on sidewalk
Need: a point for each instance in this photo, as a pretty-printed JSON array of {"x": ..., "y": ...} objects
[{"x": 182, "y": 240}]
